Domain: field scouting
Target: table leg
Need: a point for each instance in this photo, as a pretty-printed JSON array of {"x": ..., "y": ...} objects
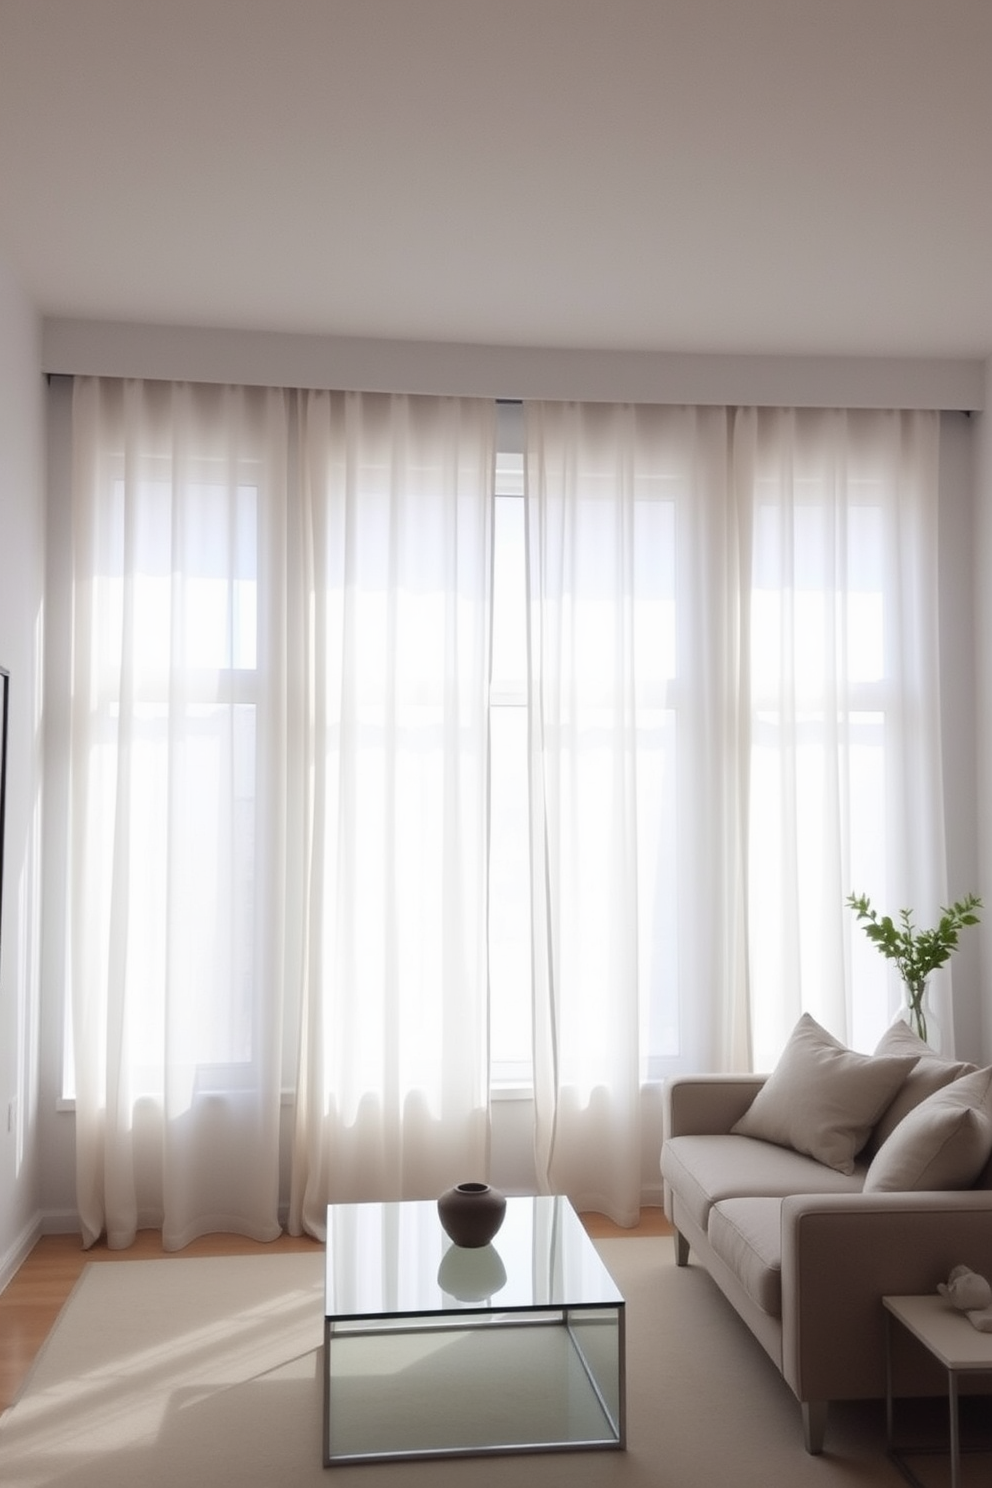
[
  {"x": 888, "y": 1379},
  {"x": 327, "y": 1391}
]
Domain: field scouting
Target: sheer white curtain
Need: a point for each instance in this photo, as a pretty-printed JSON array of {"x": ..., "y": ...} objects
[
  {"x": 278, "y": 831},
  {"x": 734, "y": 722},
  {"x": 278, "y": 818},
  {"x": 396, "y": 542},
  {"x": 175, "y": 897},
  {"x": 845, "y": 770},
  {"x": 636, "y": 840}
]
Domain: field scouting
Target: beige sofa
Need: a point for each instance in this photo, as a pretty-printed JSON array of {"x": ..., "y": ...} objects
[{"x": 804, "y": 1248}]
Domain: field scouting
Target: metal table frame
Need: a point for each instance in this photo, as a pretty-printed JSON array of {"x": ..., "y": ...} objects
[{"x": 537, "y": 1298}]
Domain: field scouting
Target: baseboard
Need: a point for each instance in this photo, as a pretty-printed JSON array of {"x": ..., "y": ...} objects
[
  {"x": 12, "y": 1259},
  {"x": 60, "y": 1222}
]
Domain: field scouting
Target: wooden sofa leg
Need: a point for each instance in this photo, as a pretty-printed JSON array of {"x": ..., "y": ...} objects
[
  {"x": 681, "y": 1249},
  {"x": 814, "y": 1425}
]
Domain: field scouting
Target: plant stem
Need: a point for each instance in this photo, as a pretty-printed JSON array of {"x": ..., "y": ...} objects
[{"x": 915, "y": 992}]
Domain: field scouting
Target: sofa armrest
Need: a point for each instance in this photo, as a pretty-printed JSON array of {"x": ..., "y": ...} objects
[
  {"x": 706, "y": 1105},
  {"x": 841, "y": 1253}
]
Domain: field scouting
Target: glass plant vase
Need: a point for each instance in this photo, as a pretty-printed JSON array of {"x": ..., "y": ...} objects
[{"x": 918, "y": 1013}]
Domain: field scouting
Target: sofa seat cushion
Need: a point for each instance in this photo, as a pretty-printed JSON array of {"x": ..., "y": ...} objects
[
  {"x": 747, "y": 1236},
  {"x": 703, "y": 1170}
]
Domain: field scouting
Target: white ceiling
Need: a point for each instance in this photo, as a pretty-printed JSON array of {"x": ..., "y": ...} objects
[{"x": 758, "y": 176}]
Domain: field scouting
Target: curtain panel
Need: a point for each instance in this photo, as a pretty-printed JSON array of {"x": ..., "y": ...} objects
[
  {"x": 636, "y": 830},
  {"x": 176, "y": 896},
  {"x": 396, "y": 546},
  {"x": 845, "y": 770},
  {"x": 278, "y": 801},
  {"x": 734, "y": 721}
]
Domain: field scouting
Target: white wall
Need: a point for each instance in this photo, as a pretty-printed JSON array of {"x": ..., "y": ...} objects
[
  {"x": 270, "y": 359},
  {"x": 22, "y": 543},
  {"x": 983, "y": 695},
  {"x": 956, "y": 543},
  {"x": 56, "y": 1122}
]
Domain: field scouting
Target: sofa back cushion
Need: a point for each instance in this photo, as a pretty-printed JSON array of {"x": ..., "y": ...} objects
[
  {"x": 945, "y": 1143},
  {"x": 932, "y": 1072},
  {"x": 822, "y": 1098}
]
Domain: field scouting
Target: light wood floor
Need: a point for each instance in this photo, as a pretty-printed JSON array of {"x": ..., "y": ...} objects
[{"x": 38, "y": 1292}]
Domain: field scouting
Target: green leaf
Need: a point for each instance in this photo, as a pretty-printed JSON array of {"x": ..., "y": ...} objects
[{"x": 916, "y": 953}]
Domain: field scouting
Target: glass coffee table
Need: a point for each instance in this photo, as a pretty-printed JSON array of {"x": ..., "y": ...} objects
[{"x": 435, "y": 1351}]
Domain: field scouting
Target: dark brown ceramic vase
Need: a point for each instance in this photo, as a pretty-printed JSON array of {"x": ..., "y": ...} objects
[{"x": 471, "y": 1213}]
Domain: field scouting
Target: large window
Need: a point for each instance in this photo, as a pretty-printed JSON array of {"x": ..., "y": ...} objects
[
  {"x": 173, "y": 606},
  {"x": 844, "y": 777},
  {"x": 818, "y": 688},
  {"x": 412, "y": 765},
  {"x": 819, "y": 705}
]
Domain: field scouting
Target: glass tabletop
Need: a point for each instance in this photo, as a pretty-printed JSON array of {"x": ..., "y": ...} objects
[{"x": 395, "y": 1260}]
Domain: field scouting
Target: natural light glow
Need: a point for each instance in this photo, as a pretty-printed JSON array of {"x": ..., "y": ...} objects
[
  {"x": 643, "y": 772},
  {"x": 817, "y": 670}
]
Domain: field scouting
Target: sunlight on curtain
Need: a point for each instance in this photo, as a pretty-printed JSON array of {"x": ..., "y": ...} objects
[
  {"x": 636, "y": 832},
  {"x": 734, "y": 721},
  {"x": 845, "y": 771},
  {"x": 396, "y": 537},
  {"x": 713, "y": 690},
  {"x": 174, "y": 891}
]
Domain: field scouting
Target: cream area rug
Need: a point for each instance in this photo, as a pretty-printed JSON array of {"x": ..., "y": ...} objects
[{"x": 207, "y": 1372}]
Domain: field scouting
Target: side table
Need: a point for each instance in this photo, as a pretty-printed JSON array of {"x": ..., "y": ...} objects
[{"x": 951, "y": 1339}]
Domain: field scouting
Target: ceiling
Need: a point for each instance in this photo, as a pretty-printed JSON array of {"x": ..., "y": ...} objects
[{"x": 750, "y": 176}]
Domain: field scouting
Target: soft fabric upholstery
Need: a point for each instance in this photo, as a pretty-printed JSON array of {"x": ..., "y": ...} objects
[
  {"x": 932, "y": 1072},
  {"x": 804, "y": 1254},
  {"x": 747, "y": 1235},
  {"x": 943, "y": 1144},
  {"x": 707, "y": 1169},
  {"x": 823, "y": 1099}
]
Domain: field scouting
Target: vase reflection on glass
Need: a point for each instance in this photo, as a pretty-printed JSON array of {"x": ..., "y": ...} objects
[{"x": 471, "y": 1274}]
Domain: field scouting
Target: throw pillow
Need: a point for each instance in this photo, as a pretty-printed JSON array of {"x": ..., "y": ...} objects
[
  {"x": 899, "y": 1038},
  {"x": 930, "y": 1074},
  {"x": 823, "y": 1099},
  {"x": 944, "y": 1143}
]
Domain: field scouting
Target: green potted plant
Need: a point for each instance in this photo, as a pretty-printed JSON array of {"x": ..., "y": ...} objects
[{"x": 916, "y": 952}]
